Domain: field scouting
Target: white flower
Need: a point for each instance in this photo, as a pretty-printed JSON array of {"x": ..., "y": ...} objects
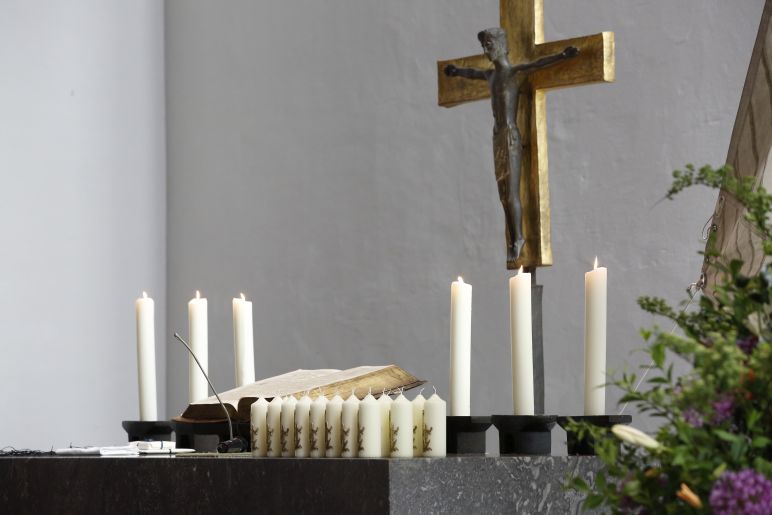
[{"x": 634, "y": 436}]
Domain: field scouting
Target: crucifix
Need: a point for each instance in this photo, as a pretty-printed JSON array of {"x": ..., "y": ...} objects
[
  {"x": 524, "y": 67},
  {"x": 520, "y": 135}
]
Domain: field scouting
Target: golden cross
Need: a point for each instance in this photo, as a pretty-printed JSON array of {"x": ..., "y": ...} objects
[{"x": 523, "y": 21}]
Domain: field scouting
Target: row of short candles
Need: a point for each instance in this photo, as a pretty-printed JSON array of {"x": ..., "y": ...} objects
[{"x": 351, "y": 428}]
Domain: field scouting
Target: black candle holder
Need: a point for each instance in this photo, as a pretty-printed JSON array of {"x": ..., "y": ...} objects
[
  {"x": 466, "y": 435},
  {"x": 524, "y": 434},
  {"x": 138, "y": 430},
  {"x": 585, "y": 446},
  {"x": 187, "y": 430}
]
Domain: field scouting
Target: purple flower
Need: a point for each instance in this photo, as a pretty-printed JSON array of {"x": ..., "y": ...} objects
[
  {"x": 748, "y": 343},
  {"x": 692, "y": 417},
  {"x": 746, "y": 492},
  {"x": 723, "y": 409}
]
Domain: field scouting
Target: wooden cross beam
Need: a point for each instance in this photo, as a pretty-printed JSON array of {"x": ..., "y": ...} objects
[{"x": 524, "y": 22}]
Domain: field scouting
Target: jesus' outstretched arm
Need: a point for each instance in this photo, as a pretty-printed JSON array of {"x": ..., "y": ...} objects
[
  {"x": 568, "y": 53},
  {"x": 468, "y": 73}
]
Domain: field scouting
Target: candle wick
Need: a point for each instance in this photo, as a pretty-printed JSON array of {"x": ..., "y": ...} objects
[{"x": 435, "y": 389}]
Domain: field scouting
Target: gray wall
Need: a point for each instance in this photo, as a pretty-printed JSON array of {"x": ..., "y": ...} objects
[
  {"x": 310, "y": 167},
  {"x": 82, "y": 214}
]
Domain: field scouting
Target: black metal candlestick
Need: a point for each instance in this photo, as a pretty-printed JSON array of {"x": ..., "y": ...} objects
[
  {"x": 586, "y": 446},
  {"x": 524, "y": 434},
  {"x": 138, "y": 430},
  {"x": 466, "y": 435}
]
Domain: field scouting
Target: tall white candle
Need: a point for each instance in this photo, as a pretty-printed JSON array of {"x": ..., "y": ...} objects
[
  {"x": 460, "y": 346},
  {"x": 318, "y": 435},
  {"x": 522, "y": 342},
  {"x": 349, "y": 426},
  {"x": 434, "y": 427},
  {"x": 401, "y": 422},
  {"x": 332, "y": 417},
  {"x": 302, "y": 427},
  {"x": 243, "y": 342},
  {"x": 198, "y": 334},
  {"x": 273, "y": 423},
  {"x": 418, "y": 425},
  {"x": 595, "y": 304},
  {"x": 369, "y": 428},
  {"x": 384, "y": 401},
  {"x": 288, "y": 426},
  {"x": 145, "y": 308},
  {"x": 258, "y": 419}
]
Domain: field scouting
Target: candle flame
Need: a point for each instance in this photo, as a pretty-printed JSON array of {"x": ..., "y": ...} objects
[
  {"x": 595, "y": 266},
  {"x": 243, "y": 297},
  {"x": 521, "y": 270},
  {"x": 460, "y": 279},
  {"x": 144, "y": 294},
  {"x": 198, "y": 294}
]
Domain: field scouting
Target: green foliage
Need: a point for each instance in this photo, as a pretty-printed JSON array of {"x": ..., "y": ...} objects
[{"x": 718, "y": 416}]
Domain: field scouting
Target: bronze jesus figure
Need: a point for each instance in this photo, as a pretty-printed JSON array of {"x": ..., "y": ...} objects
[{"x": 504, "y": 82}]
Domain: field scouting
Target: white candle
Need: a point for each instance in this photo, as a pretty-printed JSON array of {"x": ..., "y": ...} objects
[
  {"x": 595, "y": 288},
  {"x": 332, "y": 418},
  {"x": 384, "y": 401},
  {"x": 369, "y": 428},
  {"x": 349, "y": 424},
  {"x": 460, "y": 346},
  {"x": 273, "y": 423},
  {"x": 302, "y": 427},
  {"x": 316, "y": 420},
  {"x": 434, "y": 427},
  {"x": 243, "y": 342},
  {"x": 288, "y": 426},
  {"x": 401, "y": 422},
  {"x": 521, "y": 341},
  {"x": 145, "y": 308},
  {"x": 198, "y": 334},
  {"x": 418, "y": 425},
  {"x": 258, "y": 418}
]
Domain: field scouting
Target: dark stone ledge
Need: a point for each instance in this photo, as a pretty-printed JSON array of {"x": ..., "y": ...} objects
[{"x": 288, "y": 485}]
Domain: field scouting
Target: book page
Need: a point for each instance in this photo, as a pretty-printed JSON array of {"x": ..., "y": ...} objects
[{"x": 281, "y": 385}]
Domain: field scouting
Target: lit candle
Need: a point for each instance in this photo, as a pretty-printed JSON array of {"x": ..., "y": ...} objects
[
  {"x": 288, "y": 426},
  {"x": 460, "y": 346},
  {"x": 369, "y": 428},
  {"x": 349, "y": 425},
  {"x": 332, "y": 417},
  {"x": 521, "y": 341},
  {"x": 145, "y": 308},
  {"x": 302, "y": 427},
  {"x": 401, "y": 423},
  {"x": 198, "y": 333},
  {"x": 418, "y": 424},
  {"x": 384, "y": 401},
  {"x": 257, "y": 422},
  {"x": 595, "y": 287},
  {"x": 243, "y": 342},
  {"x": 316, "y": 421},
  {"x": 273, "y": 423},
  {"x": 434, "y": 427}
]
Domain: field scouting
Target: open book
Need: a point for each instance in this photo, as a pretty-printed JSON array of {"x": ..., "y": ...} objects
[{"x": 330, "y": 381}]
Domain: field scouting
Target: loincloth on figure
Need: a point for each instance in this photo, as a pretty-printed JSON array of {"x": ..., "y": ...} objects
[{"x": 507, "y": 150}]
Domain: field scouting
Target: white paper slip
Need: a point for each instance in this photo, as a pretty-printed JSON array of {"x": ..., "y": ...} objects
[
  {"x": 122, "y": 450},
  {"x": 166, "y": 451},
  {"x": 145, "y": 445}
]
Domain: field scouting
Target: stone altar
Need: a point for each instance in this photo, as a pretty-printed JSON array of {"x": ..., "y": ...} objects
[{"x": 240, "y": 483}]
